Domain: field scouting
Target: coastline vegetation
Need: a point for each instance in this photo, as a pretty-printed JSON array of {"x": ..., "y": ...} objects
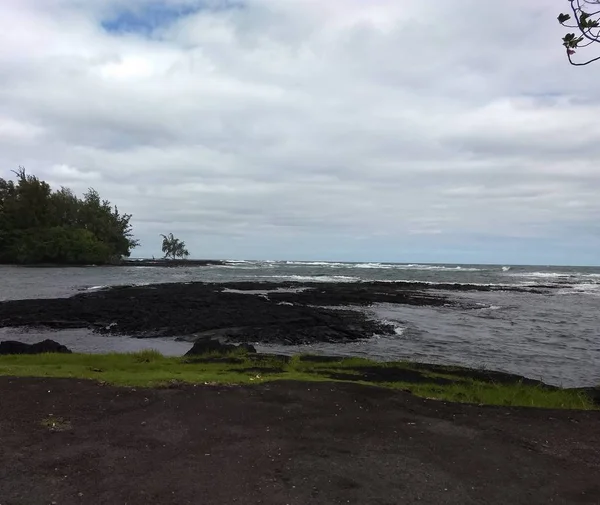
[
  {"x": 39, "y": 225},
  {"x": 174, "y": 247},
  {"x": 151, "y": 369}
]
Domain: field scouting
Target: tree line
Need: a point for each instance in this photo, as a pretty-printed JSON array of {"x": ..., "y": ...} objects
[{"x": 39, "y": 225}]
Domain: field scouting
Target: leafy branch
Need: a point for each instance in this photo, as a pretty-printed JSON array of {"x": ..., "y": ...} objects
[{"x": 586, "y": 20}]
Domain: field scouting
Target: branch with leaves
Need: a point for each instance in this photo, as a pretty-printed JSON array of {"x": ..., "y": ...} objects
[{"x": 585, "y": 18}]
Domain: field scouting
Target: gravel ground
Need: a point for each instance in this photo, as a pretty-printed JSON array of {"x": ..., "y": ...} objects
[{"x": 68, "y": 442}]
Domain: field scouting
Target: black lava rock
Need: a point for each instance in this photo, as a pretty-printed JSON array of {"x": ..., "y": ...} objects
[
  {"x": 14, "y": 347},
  {"x": 208, "y": 345}
]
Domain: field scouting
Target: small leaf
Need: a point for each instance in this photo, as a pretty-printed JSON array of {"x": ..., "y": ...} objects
[{"x": 563, "y": 18}]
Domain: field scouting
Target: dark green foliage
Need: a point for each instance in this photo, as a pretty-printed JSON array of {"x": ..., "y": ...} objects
[
  {"x": 38, "y": 225},
  {"x": 585, "y": 18},
  {"x": 174, "y": 247}
]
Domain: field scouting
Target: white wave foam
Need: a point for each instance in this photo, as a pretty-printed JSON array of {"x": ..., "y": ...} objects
[
  {"x": 492, "y": 307},
  {"x": 505, "y": 269},
  {"x": 95, "y": 288},
  {"x": 458, "y": 284},
  {"x": 373, "y": 265},
  {"x": 399, "y": 329},
  {"x": 317, "y": 278},
  {"x": 317, "y": 263},
  {"x": 543, "y": 275},
  {"x": 441, "y": 268},
  {"x": 360, "y": 266},
  {"x": 583, "y": 289}
]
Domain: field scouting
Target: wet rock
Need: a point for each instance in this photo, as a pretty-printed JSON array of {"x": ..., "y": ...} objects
[
  {"x": 14, "y": 347},
  {"x": 203, "y": 309},
  {"x": 209, "y": 345}
]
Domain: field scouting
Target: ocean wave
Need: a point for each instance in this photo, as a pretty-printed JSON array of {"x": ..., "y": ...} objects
[
  {"x": 592, "y": 289},
  {"x": 441, "y": 268},
  {"x": 399, "y": 330},
  {"x": 489, "y": 307},
  {"x": 374, "y": 265},
  {"x": 442, "y": 284},
  {"x": 418, "y": 266},
  {"x": 360, "y": 266},
  {"x": 242, "y": 266},
  {"x": 505, "y": 269},
  {"x": 95, "y": 288},
  {"x": 316, "y": 263},
  {"x": 543, "y": 275},
  {"x": 581, "y": 289},
  {"x": 317, "y": 278}
]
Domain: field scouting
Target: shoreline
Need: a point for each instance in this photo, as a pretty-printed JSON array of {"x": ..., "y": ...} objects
[
  {"x": 265, "y": 312},
  {"x": 286, "y": 317},
  {"x": 170, "y": 263},
  {"x": 282, "y": 313},
  {"x": 161, "y": 262},
  {"x": 232, "y": 365}
]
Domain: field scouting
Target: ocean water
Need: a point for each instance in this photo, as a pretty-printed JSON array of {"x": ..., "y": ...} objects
[{"x": 552, "y": 335}]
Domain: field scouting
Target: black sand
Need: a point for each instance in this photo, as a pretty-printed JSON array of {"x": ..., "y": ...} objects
[{"x": 284, "y": 443}]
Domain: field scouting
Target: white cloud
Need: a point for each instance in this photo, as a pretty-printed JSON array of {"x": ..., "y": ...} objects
[
  {"x": 415, "y": 123},
  {"x": 13, "y": 130}
]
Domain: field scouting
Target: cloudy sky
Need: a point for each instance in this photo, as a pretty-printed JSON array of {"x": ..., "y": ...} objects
[{"x": 390, "y": 130}]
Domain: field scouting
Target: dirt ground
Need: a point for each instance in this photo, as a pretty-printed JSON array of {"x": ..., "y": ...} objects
[{"x": 77, "y": 442}]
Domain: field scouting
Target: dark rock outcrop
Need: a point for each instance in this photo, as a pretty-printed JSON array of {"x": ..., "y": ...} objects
[
  {"x": 14, "y": 347},
  {"x": 209, "y": 345},
  {"x": 200, "y": 309},
  {"x": 271, "y": 313}
]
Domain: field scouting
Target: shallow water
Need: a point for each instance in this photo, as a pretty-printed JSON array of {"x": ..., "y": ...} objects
[
  {"x": 553, "y": 335},
  {"x": 81, "y": 340}
]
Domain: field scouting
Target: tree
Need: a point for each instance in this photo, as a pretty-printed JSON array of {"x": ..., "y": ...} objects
[
  {"x": 38, "y": 225},
  {"x": 174, "y": 247},
  {"x": 585, "y": 18}
]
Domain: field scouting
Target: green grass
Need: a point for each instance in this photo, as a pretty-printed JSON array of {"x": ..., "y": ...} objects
[{"x": 151, "y": 369}]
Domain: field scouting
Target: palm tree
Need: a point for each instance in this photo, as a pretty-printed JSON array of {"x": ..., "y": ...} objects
[{"x": 173, "y": 247}]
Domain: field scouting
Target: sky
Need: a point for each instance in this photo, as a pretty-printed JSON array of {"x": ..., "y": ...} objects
[{"x": 358, "y": 130}]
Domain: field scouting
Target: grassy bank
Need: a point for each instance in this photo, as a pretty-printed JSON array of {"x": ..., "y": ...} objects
[{"x": 149, "y": 368}]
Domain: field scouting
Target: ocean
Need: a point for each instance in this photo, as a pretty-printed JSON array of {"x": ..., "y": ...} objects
[{"x": 550, "y": 332}]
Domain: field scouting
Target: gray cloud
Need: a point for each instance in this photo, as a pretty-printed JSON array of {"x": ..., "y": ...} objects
[{"x": 367, "y": 133}]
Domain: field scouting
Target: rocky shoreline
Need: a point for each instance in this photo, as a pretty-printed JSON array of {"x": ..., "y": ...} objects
[
  {"x": 282, "y": 313},
  {"x": 207, "y": 350},
  {"x": 169, "y": 263}
]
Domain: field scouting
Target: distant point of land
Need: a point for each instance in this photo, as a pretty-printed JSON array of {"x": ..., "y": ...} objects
[{"x": 170, "y": 263}]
